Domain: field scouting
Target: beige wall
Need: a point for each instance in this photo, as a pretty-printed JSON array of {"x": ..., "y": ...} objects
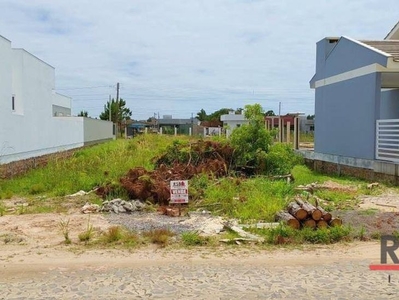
[{"x": 96, "y": 130}]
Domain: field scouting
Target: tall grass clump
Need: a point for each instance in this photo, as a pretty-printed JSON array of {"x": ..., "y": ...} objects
[
  {"x": 89, "y": 167},
  {"x": 160, "y": 236},
  {"x": 118, "y": 236}
]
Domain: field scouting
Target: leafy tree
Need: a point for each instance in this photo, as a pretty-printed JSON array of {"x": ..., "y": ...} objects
[
  {"x": 310, "y": 117},
  {"x": 216, "y": 115},
  {"x": 119, "y": 112},
  {"x": 252, "y": 140},
  {"x": 270, "y": 113},
  {"x": 239, "y": 110},
  {"x": 83, "y": 113},
  {"x": 255, "y": 149},
  {"x": 201, "y": 115}
]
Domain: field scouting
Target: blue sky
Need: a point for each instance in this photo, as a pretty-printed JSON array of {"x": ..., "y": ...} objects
[{"x": 176, "y": 57}]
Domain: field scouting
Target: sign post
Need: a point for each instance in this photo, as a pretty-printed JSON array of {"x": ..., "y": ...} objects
[{"x": 178, "y": 192}]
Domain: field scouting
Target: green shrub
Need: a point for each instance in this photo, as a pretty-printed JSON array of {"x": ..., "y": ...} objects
[
  {"x": 252, "y": 140},
  {"x": 281, "y": 159}
]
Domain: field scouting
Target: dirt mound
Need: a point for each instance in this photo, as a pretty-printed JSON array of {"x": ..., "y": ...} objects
[{"x": 180, "y": 162}]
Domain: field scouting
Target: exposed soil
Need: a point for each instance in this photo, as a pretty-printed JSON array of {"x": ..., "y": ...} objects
[{"x": 376, "y": 215}]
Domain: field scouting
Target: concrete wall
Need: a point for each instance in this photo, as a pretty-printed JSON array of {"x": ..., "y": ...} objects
[
  {"x": 31, "y": 129},
  {"x": 5, "y": 91},
  {"x": 389, "y": 104},
  {"x": 345, "y": 117},
  {"x": 96, "y": 130}
]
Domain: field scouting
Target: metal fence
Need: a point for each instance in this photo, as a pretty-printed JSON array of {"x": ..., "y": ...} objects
[{"x": 387, "y": 140}]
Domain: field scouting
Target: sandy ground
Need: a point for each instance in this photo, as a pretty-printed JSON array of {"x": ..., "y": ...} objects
[{"x": 35, "y": 241}]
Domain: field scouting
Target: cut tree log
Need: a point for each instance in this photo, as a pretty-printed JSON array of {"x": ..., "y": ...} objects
[
  {"x": 309, "y": 223},
  {"x": 312, "y": 211},
  {"x": 297, "y": 211},
  {"x": 335, "y": 222},
  {"x": 288, "y": 219},
  {"x": 322, "y": 224},
  {"x": 326, "y": 215}
]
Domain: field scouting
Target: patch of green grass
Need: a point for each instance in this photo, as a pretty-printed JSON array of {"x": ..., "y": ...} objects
[
  {"x": 37, "y": 188},
  {"x": 283, "y": 234},
  {"x": 338, "y": 199},
  {"x": 252, "y": 199},
  {"x": 88, "y": 168},
  {"x": 306, "y": 137},
  {"x": 368, "y": 212},
  {"x": 5, "y": 194},
  {"x": 194, "y": 239},
  {"x": 117, "y": 236}
]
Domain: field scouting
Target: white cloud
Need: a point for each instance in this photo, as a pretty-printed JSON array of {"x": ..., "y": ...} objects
[{"x": 176, "y": 57}]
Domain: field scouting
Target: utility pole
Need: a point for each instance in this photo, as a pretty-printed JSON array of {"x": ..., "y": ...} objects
[
  {"x": 117, "y": 108},
  {"x": 192, "y": 124},
  {"x": 109, "y": 108}
]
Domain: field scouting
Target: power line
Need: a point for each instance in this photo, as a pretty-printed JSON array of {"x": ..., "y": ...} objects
[{"x": 85, "y": 87}]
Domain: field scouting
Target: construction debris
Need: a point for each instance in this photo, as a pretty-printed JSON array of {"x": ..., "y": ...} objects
[
  {"x": 89, "y": 208},
  {"x": 121, "y": 206},
  {"x": 249, "y": 237}
]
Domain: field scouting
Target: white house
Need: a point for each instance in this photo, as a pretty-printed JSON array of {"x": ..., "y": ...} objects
[
  {"x": 232, "y": 121},
  {"x": 34, "y": 119}
]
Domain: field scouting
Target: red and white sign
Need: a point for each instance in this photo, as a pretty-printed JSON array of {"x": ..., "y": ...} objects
[{"x": 179, "y": 191}]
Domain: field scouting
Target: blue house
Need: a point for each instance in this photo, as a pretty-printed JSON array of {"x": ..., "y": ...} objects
[{"x": 357, "y": 100}]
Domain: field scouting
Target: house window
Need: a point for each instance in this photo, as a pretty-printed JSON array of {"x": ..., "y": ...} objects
[
  {"x": 13, "y": 102},
  {"x": 238, "y": 125}
]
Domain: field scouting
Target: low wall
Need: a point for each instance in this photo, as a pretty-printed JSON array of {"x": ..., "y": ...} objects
[
  {"x": 21, "y": 167},
  {"x": 367, "y": 170}
]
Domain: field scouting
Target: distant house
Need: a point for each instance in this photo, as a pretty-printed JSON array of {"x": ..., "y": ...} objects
[
  {"x": 168, "y": 125},
  {"x": 232, "y": 121},
  {"x": 212, "y": 128},
  {"x": 305, "y": 125},
  {"x": 35, "y": 120},
  {"x": 137, "y": 127}
]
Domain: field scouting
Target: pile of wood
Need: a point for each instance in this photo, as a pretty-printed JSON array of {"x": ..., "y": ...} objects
[{"x": 301, "y": 214}]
